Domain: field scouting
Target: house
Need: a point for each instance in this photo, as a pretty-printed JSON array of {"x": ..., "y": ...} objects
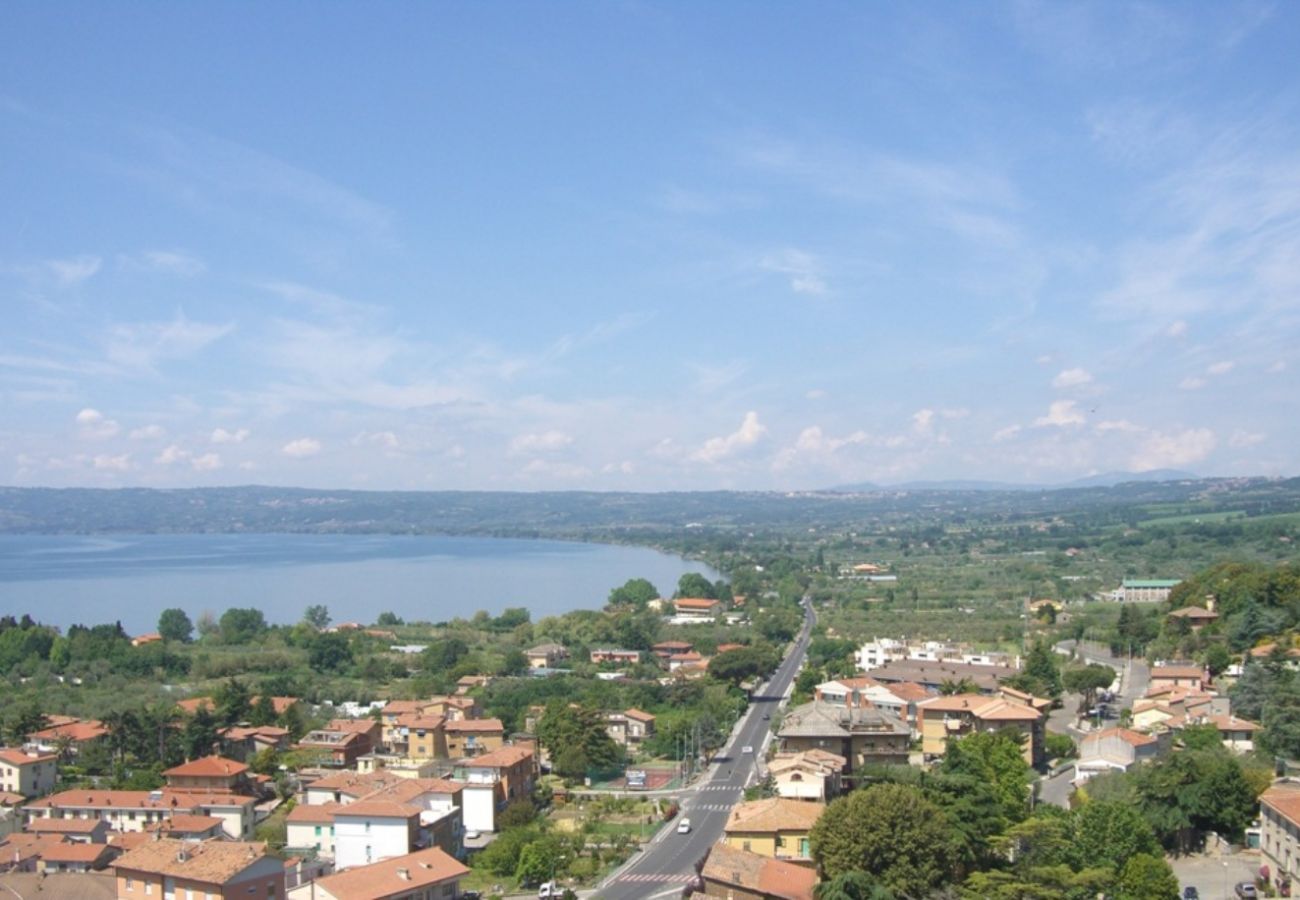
[
  {"x": 1195, "y": 617},
  {"x": 943, "y": 718},
  {"x": 343, "y": 741},
  {"x": 546, "y": 656},
  {"x": 1290, "y": 656},
  {"x": 28, "y": 772},
  {"x": 453, "y": 707},
  {"x": 472, "y": 737},
  {"x": 1163, "y": 676},
  {"x": 1139, "y": 590},
  {"x": 310, "y": 827},
  {"x": 665, "y": 649},
  {"x": 76, "y": 734},
  {"x": 210, "y": 774},
  {"x": 370, "y": 830},
  {"x": 689, "y": 658},
  {"x": 345, "y": 787},
  {"x": 229, "y": 870},
  {"x": 933, "y": 674},
  {"x": 246, "y": 741},
  {"x": 618, "y": 657},
  {"x": 1238, "y": 734},
  {"x": 417, "y": 736},
  {"x": 1279, "y": 834},
  {"x": 74, "y": 857},
  {"x": 491, "y": 781},
  {"x": 81, "y": 831},
  {"x": 188, "y": 827},
  {"x": 807, "y": 775},
  {"x": 862, "y": 735},
  {"x": 640, "y": 726},
  {"x": 1114, "y": 749},
  {"x": 423, "y": 875},
  {"x": 775, "y": 827},
  {"x": 701, "y": 608},
  {"x": 467, "y": 683},
  {"x": 899, "y": 698},
  {"x": 139, "y": 810},
  {"x": 151, "y": 637},
  {"x": 731, "y": 874}
]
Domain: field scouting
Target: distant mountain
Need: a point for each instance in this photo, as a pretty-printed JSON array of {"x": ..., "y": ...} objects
[
  {"x": 1104, "y": 480},
  {"x": 1110, "y": 479}
]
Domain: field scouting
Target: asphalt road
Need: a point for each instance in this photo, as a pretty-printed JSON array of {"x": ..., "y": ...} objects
[{"x": 669, "y": 862}]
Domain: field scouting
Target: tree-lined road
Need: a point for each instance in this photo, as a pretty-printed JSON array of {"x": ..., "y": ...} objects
[{"x": 669, "y": 862}]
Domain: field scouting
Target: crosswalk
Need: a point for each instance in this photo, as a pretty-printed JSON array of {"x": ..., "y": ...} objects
[
  {"x": 711, "y": 807},
  {"x": 719, "y": 787},
  {"x": 658, "y": 878}
]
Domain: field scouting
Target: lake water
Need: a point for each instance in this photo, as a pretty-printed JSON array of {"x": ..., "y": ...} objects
[{"x": 66, "y": 579}]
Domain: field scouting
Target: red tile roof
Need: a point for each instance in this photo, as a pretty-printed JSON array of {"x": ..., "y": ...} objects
[
  {"x": 207, "y": 767},
  {"x": 398, "y": 876},
  {"x": 486, "y": 725},
  {"x": 502, "y": 758}
]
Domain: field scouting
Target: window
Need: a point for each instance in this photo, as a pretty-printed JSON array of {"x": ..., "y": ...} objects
[
  {"x": 745, "y": 846},
  {"x": 148, "y": 887},
  {"x": 318, "y": 832},
  {"x": 130, "y": 884},
  {"x": 803, "y": 847}
]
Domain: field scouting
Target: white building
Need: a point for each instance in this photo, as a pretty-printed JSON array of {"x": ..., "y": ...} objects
[{"x": 28, "y": 772}]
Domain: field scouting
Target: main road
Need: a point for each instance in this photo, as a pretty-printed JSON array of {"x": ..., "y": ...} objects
[{"x": 669, "y": 861}]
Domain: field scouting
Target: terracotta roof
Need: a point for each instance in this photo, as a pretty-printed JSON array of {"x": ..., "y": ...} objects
[
  {"x": 696, "y": 603},
  {"x": 17, "y": 757},
  {"x": 75, "y": 851},
  {"x": 909, "y": 691},
  {"x": 1128, "y": 735},
  {"x": 378, "y": 808},
  {"x": 359, "y": 726},
  {"x": 314, "y": 813},
  {"x": 501, "y": 758},
  {"x": 354, "y": 784},
  {"x": 207, "y": 767},
  {"x": 1194, "y": 612},
  {"x": 1265, "y": 649},
  {"x": 9, "y": 798},
  {"x": 476, "y": 725},
  {"x": 400, "y": 707},
  {"x": 128, "y": 840},
  {"x": 774, "y": 814},
  {"x": 981, "y": 707},
  {"x": 408, "y": 789},
  {"x": 751, "y": 872},
  {"x": 214, "y": 862},
  {"x": 639, "y": 715},
  {"x": 190, "y": 823},
  {"x": 1284, "y": 798},
  {"x": 73, "y": 731},
  {"x": 672, "y": 645},
  {"x": 385, "y": 878},
  {"x": 192, "y": 705},
  {"x": 42, "y": 825},
  {"x": 1232, "y": 723},
  {"x": 174, "y": 800},
  {"x": 417, "y": 721}
]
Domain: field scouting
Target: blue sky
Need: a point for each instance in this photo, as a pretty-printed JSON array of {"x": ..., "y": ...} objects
[{"x": 636, "y": 246}]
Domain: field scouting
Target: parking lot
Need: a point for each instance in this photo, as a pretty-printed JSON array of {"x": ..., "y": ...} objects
[{"x": 1215, "y": 876}]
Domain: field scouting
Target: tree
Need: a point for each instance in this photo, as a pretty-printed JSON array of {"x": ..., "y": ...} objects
[
  {"x": 1042, "y": 672},
  {"x": 577, "y": 740},
  {"x": 852, "y": 886},
  {"x": 1088, "y": 680},
  {"x": 1147, "y": 877},
  {"x": 200, "y": 734},
  {"x": 175, "y": 625},
  {"x": 240, "y": 626},
  {"x": 329, "y": 651},
  {"x": 635, "y": 592},
  {"x": 890, "y": 830},
  {"x": 541, "y": 859},
  {"x": 693, "y": 584},
  {"x": 233, "y": 702},
  {"x": 1281, "y": 721},
  {"x": 263, "y": 712},
  {"x": 736, "y": 666},
  {"x": 389, "y": 620},
  {"x": 993, "y": 758},
  {"x": 317, "y": 616},
  {"x": 513, "y": 663},
  {"x": 1107, "y": 832},
  {"x": 441, "y": 656},
  {"x": 1217, "y": 659}
]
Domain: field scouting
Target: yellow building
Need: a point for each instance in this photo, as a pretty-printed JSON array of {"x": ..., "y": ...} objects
[
  {"x": 943, "y": 718},
  {"x": 776, "y": 828}
]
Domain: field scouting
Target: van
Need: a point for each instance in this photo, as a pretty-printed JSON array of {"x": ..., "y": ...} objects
[
  {"x": 548, "y": 889},
  {"x": 684, "y": 826}
]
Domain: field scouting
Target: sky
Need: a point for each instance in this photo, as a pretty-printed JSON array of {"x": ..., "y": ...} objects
[{"x": 647, "y": 246}]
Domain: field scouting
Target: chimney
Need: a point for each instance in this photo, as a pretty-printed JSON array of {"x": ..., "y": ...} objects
[
  {"x": 181, "y": 855},
  {"x": 1210, "y": 601},
  {"x": 404, "y": 874}
]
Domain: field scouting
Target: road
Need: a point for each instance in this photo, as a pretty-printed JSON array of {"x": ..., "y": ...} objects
[{"x": 669, "y": 861}]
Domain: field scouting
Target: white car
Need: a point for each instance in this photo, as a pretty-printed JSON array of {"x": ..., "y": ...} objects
[
  {"x": 548, "y": 889},
  {"x": 684, "y": 826},
  {"x": 747, "y": 749}
]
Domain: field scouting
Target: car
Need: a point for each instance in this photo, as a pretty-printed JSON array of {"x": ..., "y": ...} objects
[
  {"x": 1245, "y": 890},
  {"x": 684, "y": 826},
  {"x": 472, "y": 835},
  {"x": 767, "y": 716},
  {"x": 747, "y": 749},
  {"x": 548, "y": 889},
  {"x": 471, "y": 895},
  {"x": 1191, "y": 893}
]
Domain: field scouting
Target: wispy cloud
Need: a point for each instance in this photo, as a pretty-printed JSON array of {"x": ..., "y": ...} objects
[
  {"x": 802, "y": 270},
  {"x": 717, "y": 449},
  {"x": 1069, "y": 378},
  {"x": 93, "y": 425},
  {"x": 301, "y": 448},
  {"x": 1061, "y": 414},
  {"x": 222, "y": 436},
  {"x": 168, "y": 262},
  {"x": 143, "y": 345}
]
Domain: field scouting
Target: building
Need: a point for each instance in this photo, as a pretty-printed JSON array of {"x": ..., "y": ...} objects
[
  {"x": 170, "y": 869},
  {"x": 1137, "y": 590},
  {"x": 899, "y": 698},
  {"x": 493, "y": 780},
  {"x": 1279, "y": 834},
  {"x": 546, "y": 656},
  {"x": 1167, "y": 676},
  {"x": 775, "y": 827},
  {"x": 210, "y": 774},
  {"x": 474, "y": 737},
  {"x": 697, "y": 608},
  {"x": 28, "y": 772},
  {"x": 1115, "y": 749},
  {"x": 423, "y": 875},
  {"x": 346, "y": 787},
  {"x": 343, "y": 741},
  {"x": 617, "y": 657},
  {"x": 75, "y": 734},
  {"x": 1196, "y": 617},
  {"x": 666, "y": 649},
  {"x": 640, "y": 726},
  {"x": 731, "y": 874},
  {"x": 246, "y": 741},
  {"x": 1238, "y": 735},
  {"x": 807, "y": 775},
  {"x": 944, "y": 718},
  {"x": 932, "y": 675},
  {"x": 862, "y": 735},
  {"x": 139, "y": 810},
  {"x": 310, "y": 827},
  {"x": 417, "y": 736}
]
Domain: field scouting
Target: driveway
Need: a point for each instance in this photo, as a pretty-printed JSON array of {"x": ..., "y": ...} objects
[{"x": 1214, "y": 876}]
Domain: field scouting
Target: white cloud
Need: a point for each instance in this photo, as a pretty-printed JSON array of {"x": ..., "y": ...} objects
[
  {"x": 1006, "y": 434},
  {"x": 222, "y": 436},
  {"x": 922, "y": 419},
  {"x": 386, "y": 439},
  {"x": 545, "y": 442},
  {"x": 166, "y": 262},
  {"x": 143, "y": 345},
  {"x": 208, "y": 462},
  {"x": 802, "y": 268},
  {"x": 1191, "y": 383},
  {"x": 552, "y": 469},
  {"x": 1220, "y": 368},
  {"x": 1177, "y": 329},
  {"x": 1069, "y": 378},
  {"x": 68, "y": 272},
  {"x": 1120, "y": 425},
  {"x": 1060, "y": 414},
  {"x": 626, "y": 467},
  {"x": 95, "y": 426},
  {"x": 113, "y": 463},
  {"x": 719, "y": 448},
  {"x": 301, "y": 448},
  {"x": 1044, "y": 360},
  {"x": 1277, "y": 367},
  {"x": 1159, "y": 450},
  {"x": 172, "y": 454},
  {"x": 815, "y": 394},
  {"x": 148, "y": 433},
  {"x": 1241, "y": 438}
]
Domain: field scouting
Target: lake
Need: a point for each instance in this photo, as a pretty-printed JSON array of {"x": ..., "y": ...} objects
[{"x": 66, "y": 579}]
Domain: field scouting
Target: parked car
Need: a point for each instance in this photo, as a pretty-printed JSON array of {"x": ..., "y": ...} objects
[
  {"x": 548, "y": 889},
  {"x": 1191, "y": 893},
  {"x": 684, "y": 826},
  {"x": 747, "y": 749},
  {"x": 1245, "y": 890}
]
